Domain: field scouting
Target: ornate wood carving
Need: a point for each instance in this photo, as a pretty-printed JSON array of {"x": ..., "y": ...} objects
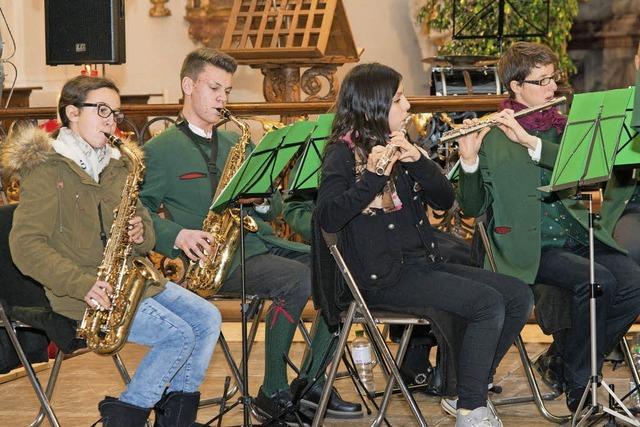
[
  {"x": 311, "y": 82},
  {"x": 208, "y": 20},
  {"x": 159, "y": 9}
]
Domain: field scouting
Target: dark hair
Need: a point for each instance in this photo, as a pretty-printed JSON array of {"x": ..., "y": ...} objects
[
  {"x": 363, "y": 105},
  {"x": 75, "y": 91},
  {"x": 196, "y": 60},
  {"x": 517, "y": 62}
]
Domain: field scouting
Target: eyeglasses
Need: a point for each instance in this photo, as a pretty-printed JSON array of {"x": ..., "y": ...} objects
[
  {"x": 105, "y": 111},
  {"x": 546, "y": 80}
]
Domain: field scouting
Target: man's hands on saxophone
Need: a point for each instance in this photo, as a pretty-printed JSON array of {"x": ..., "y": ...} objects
[{"x": 196, "y": 244}]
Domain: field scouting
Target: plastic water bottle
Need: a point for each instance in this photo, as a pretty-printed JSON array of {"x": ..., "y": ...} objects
[
  {"x": 364, "y": 360},
  {"x": 635, "y": 354}
]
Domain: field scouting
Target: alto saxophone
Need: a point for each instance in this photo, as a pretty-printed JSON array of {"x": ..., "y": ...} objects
[
  {"x": 205, "y": 277},
  {"x": 106, "y": 330}
]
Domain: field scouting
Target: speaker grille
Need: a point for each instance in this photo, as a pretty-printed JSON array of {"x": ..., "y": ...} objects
[{"x": 85, "y": 32}]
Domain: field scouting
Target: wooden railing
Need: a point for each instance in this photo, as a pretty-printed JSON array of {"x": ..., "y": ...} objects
[{"x": 418, "y": 105}]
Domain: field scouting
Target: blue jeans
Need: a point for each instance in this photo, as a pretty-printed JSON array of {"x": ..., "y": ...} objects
[{"x": 181, "y": 330}]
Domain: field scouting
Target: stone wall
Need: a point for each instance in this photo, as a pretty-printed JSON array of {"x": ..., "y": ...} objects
[{"x": 605, "y": 38}]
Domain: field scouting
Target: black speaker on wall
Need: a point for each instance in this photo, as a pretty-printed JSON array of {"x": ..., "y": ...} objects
[{"x": 84, "y": 32}]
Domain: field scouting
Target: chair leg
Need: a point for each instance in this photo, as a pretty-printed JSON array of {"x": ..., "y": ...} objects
[
  {"x": 629, "y": 359},
  {"x": 226, "y": 351},
  {"x": 402, "y": 349},
  {"x": 335, "y": 362},
  {"x": 537, "y": 397},
  {"x": 53, "y": 377},
  {"x": 31, "y": 375}
]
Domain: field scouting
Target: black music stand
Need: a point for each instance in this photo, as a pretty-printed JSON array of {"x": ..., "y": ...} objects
[
  {"x": 481, "y": 19},
  {"x": 586, "y": 157},
  {"x": 258, "y": 177}
]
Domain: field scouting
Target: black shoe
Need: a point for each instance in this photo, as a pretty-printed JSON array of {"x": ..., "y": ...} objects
[
  {"x": 278, "y": 410},
  {"x": 115, "y": 413},
  {"x": 551, "y": 369},
  {"x": 336, "y": 408},
  {"x": 573, "y": 398},
  {"x": 177, "y": 409}
]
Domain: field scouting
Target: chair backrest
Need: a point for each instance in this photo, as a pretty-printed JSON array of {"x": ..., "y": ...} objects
[{"x": 16, "y": 288}]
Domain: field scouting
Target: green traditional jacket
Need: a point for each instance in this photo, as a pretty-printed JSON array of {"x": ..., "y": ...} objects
[
  {"x": 177, "y": 178},
  {"x": 507, "y": 182}
]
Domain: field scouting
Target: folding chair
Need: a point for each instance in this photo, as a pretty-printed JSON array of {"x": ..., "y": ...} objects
[
  {"x": 537, "y": 397},
  {"x": 359, "y": 311},
  {"x": 23, "y": 305}
]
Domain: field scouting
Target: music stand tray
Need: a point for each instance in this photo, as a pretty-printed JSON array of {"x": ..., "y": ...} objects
[
  {"x": 590, "y": 140},
  {"x": 307, "y": 176}
]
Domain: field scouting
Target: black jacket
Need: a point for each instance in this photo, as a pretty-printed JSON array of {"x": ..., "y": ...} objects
[{"x": 370, "y": 243}]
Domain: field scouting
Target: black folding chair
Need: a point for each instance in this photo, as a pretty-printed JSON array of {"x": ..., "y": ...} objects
[
  {"x": 24, "y": 305},
  {"x": 359, "y": 312}
]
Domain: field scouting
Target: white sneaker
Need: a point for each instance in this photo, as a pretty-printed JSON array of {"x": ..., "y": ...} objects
[
  {"x": 479, "y": 417},
  {"x": 449, "y": 406}
]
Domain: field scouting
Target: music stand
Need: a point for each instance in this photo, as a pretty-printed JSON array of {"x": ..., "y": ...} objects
[
  {"x": 629, "y": 150},
  {"x": 258, "y": 177},
  {"x": 307, "y": 177},
  {"x": 586, "y": 157}
]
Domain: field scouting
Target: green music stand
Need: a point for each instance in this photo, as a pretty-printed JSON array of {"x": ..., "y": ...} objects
[
  {"x": 586, "y": 156},
  {"x": 590, "y": 140},
  {"x": 307, "y": 176},
  {"x": 629, "y": 151},
  {"x": 257, "y": 177},
  {"x": 258, "y": 174}
]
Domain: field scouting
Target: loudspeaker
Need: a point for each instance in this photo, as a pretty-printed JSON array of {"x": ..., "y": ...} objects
[{"x": 84, "y": 32}]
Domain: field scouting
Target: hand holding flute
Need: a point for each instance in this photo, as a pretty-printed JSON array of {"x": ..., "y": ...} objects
[{"x": 382, "y": 158}]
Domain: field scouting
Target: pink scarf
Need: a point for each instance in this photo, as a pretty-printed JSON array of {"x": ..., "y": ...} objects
[
  {"x": 388, "y": 201},
  {"x": 539, "y": 120}
]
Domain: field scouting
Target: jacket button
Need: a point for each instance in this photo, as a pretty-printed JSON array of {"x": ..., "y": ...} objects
[
  {"x": 391, "y": 226},
  {"x": 374, "y": 276},
  {"x": 433, "y": 245},
  {"x": 421, "y": 222},
  {"x": 415, "y": 197}
]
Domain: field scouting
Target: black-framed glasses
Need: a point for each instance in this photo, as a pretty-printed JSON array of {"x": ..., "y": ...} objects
[
  {"x": 545, "y": 80},
  {"x": 105, "y": 111}
]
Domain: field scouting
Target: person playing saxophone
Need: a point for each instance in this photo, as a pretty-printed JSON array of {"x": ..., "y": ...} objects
[
  {"x": 184, "y": 164},
  {"x": 69, "y": 188}
]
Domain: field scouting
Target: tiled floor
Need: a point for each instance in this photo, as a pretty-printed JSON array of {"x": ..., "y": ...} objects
[{"x": 86, "y": 379}]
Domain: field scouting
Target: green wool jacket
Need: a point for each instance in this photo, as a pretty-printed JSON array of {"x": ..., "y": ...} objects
[
  {"x": 507, "y": 181},
  {"x": 55, "y": 237},
  {"x": 297, "y": 213},
  {"x": 177, "y": 178}
]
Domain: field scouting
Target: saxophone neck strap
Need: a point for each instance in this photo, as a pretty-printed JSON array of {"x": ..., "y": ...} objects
[{"x": 209, "y": 160}]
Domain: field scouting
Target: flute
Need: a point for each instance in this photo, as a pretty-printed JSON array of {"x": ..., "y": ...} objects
[
  {"x": 464, "y": 130},
  {"x": 383, "y": 161}
]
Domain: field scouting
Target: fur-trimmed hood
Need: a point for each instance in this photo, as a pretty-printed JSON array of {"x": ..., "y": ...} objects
[
  {"x": 28, "y": 146},
  {"x": 24, "y": 148}
]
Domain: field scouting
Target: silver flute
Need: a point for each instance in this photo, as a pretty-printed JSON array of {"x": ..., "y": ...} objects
[
  {"x": 383, "y": 161},
  {"x": 464, "y": 129}
]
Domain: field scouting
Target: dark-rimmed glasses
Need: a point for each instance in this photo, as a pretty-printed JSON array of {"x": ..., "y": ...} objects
[
  {"x": 105, "y": 111},
  {"x": 545, "y": 80}
]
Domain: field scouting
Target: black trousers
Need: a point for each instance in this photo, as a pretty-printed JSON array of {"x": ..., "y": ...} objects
[
  {"x": 494, "y": 306},
  {"x": 616, "y": 309}
]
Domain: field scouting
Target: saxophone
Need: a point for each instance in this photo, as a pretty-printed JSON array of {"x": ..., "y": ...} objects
[
  {"x": 205, "y": 277},
  {"x": 106, "y": 331}
]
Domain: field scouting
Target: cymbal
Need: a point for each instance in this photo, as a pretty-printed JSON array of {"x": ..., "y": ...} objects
[{"x": 458, "y": 60}]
